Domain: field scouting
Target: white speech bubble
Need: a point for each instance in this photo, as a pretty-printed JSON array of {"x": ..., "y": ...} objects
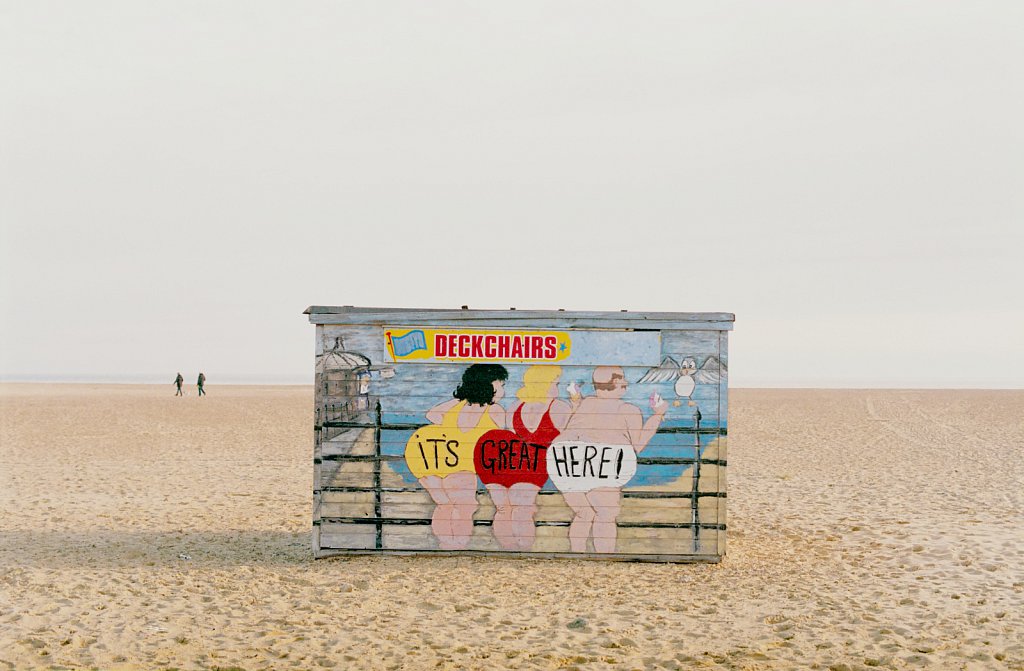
[{"x": 580, "y": 466}]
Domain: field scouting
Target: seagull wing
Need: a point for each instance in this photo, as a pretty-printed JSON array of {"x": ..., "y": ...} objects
[
  {"x": 666, "y": 371},
  {"x": 707, "y": 377},
  {"x": 712, "y": 372}
]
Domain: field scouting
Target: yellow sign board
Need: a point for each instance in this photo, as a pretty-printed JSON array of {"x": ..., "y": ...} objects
[{"x": 459, "y": 344}]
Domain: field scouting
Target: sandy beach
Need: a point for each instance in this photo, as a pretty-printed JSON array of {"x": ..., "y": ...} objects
[{"x": 866, "y": 529}]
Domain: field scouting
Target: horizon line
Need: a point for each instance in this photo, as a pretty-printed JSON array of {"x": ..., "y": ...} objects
[{"x": 291, "y": 381}]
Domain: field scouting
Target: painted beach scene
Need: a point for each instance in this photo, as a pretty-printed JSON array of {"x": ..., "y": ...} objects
[
  {"x": 538, "y": 336},
  {"x": 566, "y": 446}
]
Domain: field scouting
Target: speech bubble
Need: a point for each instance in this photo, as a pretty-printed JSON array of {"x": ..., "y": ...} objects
[{"x": 502, "y": 457}]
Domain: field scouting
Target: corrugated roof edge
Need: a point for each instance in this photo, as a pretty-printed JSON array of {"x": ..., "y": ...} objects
[{"x": 371, "y": 314}]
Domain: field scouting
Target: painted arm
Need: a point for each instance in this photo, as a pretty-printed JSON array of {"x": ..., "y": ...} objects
[
  {"x": 498, "y": 414},
  {"x": 436, "y": 414},
  {"x": 641, "y": 432},
  {"x": 560, "y": 414}
]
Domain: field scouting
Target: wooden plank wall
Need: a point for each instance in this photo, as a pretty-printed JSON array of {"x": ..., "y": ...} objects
[{"x": 368, "y": 500}]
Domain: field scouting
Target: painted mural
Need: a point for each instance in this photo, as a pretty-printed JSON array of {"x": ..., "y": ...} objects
[{"x": 453, "y": 439}]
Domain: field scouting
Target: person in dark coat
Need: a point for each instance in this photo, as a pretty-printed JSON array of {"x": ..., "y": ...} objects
[
  {"x": 200, "y": 382},
  {"x": 177, "y": 383}
]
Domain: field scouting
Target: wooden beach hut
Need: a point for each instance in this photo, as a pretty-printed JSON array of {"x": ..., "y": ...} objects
[{"x": 520, "y": 433}]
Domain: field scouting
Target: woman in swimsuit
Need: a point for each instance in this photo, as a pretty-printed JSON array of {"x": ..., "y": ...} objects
[
  {"x": 441, "y": 456},
  {"x": 513, "y": 464}
]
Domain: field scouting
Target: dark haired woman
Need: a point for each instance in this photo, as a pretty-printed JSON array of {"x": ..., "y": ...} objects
[{"x": 441, "y": 456}]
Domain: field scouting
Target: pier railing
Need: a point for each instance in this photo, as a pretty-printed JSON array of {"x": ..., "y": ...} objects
[{"x": 377, "y": 458}]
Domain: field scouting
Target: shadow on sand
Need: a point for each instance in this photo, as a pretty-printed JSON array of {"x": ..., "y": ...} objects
[{"x": 161, "y": 549}]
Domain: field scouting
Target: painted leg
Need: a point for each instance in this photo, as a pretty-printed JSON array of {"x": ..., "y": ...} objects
[
  {"x": 607, "y": 504},
  {"x": 502, "y": 526},
  {"x": 523, "y": 497},
  {"x": 441, "y": 519},
  {"x": 461, "y": 490},
  {"x": 583, "y": 519}
]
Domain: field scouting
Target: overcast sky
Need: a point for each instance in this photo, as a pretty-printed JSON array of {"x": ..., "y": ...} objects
[{"x": 179, "y": 180}]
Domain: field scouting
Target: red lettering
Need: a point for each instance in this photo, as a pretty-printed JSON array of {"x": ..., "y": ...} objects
[
  {"x": 493, "y": 346},
  {"x": 549, "y": 347},
  {"x": 537, "y": 348}
]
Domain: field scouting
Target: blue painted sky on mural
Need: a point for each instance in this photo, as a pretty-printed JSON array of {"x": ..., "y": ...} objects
[
  {"x": 440, "y": 384},
  {"x": 421, "y": 385}
]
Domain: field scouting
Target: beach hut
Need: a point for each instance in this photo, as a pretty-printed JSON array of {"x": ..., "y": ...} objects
[{"x": 596, "y": 435}]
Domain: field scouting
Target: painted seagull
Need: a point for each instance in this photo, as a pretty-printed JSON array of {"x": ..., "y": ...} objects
[{"x": 685, "y": 374}]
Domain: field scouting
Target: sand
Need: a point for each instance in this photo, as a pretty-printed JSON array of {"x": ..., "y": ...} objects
[{"x": 866, "y": 529}]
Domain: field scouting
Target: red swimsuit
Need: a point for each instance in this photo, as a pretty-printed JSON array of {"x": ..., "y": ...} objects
[{"x": 505, "y": 458}]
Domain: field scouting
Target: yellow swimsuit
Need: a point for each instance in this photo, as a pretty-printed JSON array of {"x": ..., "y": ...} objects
[{"x": 443, "y": 449}]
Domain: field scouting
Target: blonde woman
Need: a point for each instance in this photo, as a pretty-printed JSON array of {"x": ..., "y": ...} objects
[{"x": 513, "y": 464}]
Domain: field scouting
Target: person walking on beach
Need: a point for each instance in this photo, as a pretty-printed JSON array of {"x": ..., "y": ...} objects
[
  {"x": 177, "y": 383},
  {"x": 200, "y": 382},
  {"x": 596, "y": 456}
]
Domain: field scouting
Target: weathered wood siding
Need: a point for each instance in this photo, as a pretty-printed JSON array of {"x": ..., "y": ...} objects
[{"x": 371, "y": 405}]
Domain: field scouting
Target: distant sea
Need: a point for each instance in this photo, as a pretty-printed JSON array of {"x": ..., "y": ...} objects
[
  {"x": 212, "y": 378},
  {"x": 747, "y": 383}
]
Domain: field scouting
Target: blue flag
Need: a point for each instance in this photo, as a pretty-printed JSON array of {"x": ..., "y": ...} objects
[{"x": 413, "y": 341}]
